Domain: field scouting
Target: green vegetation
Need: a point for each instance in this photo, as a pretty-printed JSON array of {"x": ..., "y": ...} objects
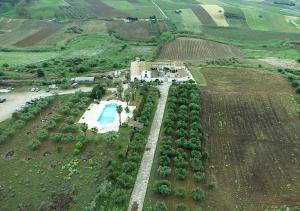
[
  {"x": 122, "y": 170},
  {"x": 198, "y": 76},
  {"x": 179, "y": 145}
]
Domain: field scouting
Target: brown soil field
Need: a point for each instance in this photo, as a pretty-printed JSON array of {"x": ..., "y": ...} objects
[
  {"x": 203, "y": 16},
  {"x": 253, "y": 137},
  {"x": 137, "y": 30},
  {"x": 197, "y": 49},
  {"x": 103, "y": 10},
  {"x": 38, "y": 36}
]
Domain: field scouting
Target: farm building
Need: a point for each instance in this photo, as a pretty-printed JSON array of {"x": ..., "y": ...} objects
[
  {"x": 159, "y": 71},
  {"x": 83, "y": 79}
]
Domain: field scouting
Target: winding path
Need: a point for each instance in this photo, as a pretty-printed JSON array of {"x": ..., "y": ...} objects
[{"x": 141, "y": 183}]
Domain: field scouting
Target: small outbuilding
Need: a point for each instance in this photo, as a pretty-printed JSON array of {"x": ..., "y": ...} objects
[{"x": 83, "y": 79}]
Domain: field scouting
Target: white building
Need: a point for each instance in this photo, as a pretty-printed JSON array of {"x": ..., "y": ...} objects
[
  {"x": 83, "y": 79},
  {"x": 159, "y": 71}
]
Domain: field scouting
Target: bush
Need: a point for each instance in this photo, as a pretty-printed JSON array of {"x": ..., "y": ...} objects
[
  {"x": 18, "y": 124},
  {"x": 295, "y": 84},
  {"x": 197, "y": 164},
  {"x": 164, "y": 160},
  {"x": 34, "y": 144},
  {"x": 125, "y": 181},
  {"x": 119, "y": 196},
  {"x": 49, "y": 125},
  {"x": 56, "y": 137},
  {"x": 181, "y": 207},
  {"x": 160, "y": 206},
  {"x": 197, "y": 194},
  {"x": 199, "y": 176},
  {"x": 181, "y": 173},
  {"x": 97, "y": 92},
  {"x": 212, "y": 185},
  {"x": 164, "y": 171},
  {"x": 180, "y": 192},
  {"x": 163, "y": 187},
  {"x": 42, "y": 134},
  {"x": 205, "y": 155},
  {"x": 298, "y": 90},
  {"x": 67, "y": 137}
]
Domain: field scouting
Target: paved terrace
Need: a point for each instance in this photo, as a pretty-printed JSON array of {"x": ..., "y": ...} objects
[{"x": 141, "y": 183}]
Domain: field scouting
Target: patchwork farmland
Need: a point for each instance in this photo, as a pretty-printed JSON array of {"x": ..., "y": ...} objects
[
  {"x": 253, "y": 138},
  {"x": 228, "y": 141},
  {"x": 197, "y": 49}
]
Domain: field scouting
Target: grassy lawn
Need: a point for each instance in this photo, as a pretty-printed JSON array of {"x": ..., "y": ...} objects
[{"x": 198, "y": 76}]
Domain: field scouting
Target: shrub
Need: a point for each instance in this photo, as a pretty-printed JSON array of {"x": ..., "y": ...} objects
[
  {"x": 197, "y": 164},
  {"x": 197, "y": 194},
  {"x": 163, "y": 187},
  {"x": 205, "y": 155},
  {"x": 160, "y": 206},
  {"x": 34, "y": 144},
  {"x": 18, "y": 124},
  {"x": 42, "y": 134},
  {"x": 181, "y": 173},
  {"x": 119, "y": 196},
  {"x": 79, "y": 145},
  {"x": 97, "y": 92},
  {"x": 298, "y": 90},
  {"x": 125, "y": 181},
  {"x": 212, "y": 185},
  {"x": 70, "y": 120},
  {"x": 49, "y": 125},
  {"x": 164, "y": 160},
  {"x": 164, "y": 171},
  {"x": 180, "y": 162},
  {"x": 181, "y": 207},
  {"x": 199, "y": 176},
  {"x": 59, "y": 149},
  {"x": 81, "y": 138},
  {"x": 180, "y": 192},
  {"x": 295, "y": 84},
  {"x": 56, "y": 117},
  {"x": 56, "y": 137},
  {"x": 67, "y": 137}
]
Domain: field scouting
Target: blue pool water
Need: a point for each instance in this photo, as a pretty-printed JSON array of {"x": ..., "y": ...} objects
[{"x": 108, "y": 114}]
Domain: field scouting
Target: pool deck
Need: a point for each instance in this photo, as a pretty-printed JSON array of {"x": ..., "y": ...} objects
[{"x": 92, "y": 114}]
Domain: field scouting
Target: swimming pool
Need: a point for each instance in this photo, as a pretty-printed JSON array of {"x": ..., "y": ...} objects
[{"x": 108, "y": 114}]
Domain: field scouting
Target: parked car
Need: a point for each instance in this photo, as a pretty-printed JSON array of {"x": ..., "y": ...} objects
[{"x": 2, "y": 100}]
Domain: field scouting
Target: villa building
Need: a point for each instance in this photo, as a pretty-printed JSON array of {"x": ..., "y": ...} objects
[{"x": 159, "y": 71}]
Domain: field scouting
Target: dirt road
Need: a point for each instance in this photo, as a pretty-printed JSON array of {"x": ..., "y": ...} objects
[
  {"x": 16, "y": 99},
  {"x": 141, "y": 183}
]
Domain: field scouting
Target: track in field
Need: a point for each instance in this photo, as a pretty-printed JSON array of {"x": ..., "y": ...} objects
[{"x": 253, "y": 137}]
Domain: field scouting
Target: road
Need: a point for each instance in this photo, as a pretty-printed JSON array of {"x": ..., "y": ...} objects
[
  {"x": 141, "y": 183},
  {"x": 16, "y": 99}
]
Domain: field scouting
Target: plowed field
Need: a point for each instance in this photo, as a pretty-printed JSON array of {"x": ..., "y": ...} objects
[
  {"x": 197, "y": 49},
  {"x": 253, "y": 137}
]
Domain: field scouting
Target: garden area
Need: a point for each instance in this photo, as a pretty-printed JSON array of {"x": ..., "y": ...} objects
[
  {"x": 50, "y": 161},
  {"x": 177, "y": 177}
]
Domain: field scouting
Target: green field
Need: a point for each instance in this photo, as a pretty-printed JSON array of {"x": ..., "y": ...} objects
[
  {"x": 267, "y": 21},
  {"x": 198, "y": 76},
  {"x": 111, "y": 51}
]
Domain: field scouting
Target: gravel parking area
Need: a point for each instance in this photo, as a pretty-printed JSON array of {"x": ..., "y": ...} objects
[{"x": 16, "y": 99}]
